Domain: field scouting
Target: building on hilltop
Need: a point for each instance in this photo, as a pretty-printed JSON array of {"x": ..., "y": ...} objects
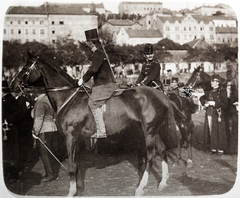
[{"x": 141, "y": 8}]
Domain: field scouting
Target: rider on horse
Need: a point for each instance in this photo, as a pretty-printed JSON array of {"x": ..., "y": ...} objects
[
  {"x": 150, "y": 74},
  {"x": 104, "y": 81}
]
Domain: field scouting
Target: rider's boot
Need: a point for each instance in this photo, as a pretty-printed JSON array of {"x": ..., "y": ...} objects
[{"x": 101, "y": 131}]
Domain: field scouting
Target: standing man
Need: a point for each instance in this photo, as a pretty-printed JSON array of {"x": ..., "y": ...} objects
[
  {"x": 150, "y": 73},
  {"x": 104, "y": 81},
  {"x": 216, "y": 104},
  {"x": 44, "y": 126}
]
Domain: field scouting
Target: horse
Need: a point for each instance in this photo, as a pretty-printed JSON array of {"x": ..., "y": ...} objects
[
  {"x": 184, "y": 108},
  {"x": 140, "y": 110}
]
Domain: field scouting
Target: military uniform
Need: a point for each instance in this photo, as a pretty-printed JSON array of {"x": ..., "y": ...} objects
[
  {"x": 45, "y": 126},
  {"x": 150, "y": 73},
  {"x": 214, "y": 127},
  {"x": 11, "y": 114}
]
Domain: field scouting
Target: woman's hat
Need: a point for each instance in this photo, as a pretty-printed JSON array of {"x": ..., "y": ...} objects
[
  {"x": 92, "y": 35},
  {"x": 148, "y": 48}
]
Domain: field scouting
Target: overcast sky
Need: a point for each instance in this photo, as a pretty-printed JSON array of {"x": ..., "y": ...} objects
[{"x": 112, "y": 5}]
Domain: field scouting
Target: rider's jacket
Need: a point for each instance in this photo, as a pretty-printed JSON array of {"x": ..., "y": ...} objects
[
  {"x": 149, "y": 74},
  {"x": 100, "y": 69},
  {"x": 44, "y": 116}
]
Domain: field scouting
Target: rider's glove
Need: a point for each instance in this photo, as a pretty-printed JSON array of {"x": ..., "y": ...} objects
[{"x": 80, "y": 82}]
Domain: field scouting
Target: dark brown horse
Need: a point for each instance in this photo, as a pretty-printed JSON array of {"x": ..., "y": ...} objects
[{"x": 142, "y": 110}]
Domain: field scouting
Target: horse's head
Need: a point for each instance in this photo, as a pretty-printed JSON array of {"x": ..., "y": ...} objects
[
  {"x": 29, "y": 75},
  {"x": 194, "y": 80}
]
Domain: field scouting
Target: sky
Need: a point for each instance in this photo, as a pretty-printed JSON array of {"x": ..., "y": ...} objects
[{"x": 112, "y": 5}]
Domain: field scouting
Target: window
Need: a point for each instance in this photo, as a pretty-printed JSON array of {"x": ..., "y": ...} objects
[
  {"x": 41, "y": 31},
  {"x": 211, "y": 28},
  {"x": 190, "y": 29},
  {"x": 41, "y": 22},
  {"x": 19, "y": 31},
  {"x": 53, "y": 41},
  {"x": 12, "y": 31},
  {"x": 53, "y": 31},
  {"x": 185, "y": 37},
  {"x": 177, "y": 28},
  {"x": 5, "y": 31},
  {"x": 26, "y": 22},
  {"x": 11, "y": 22},
  {"x": 177, "y": 37},
  {"x": 167, "y": 28},
  {"x": 34, "y": 31},
  {"x": 33, "y": 22},
  {"x": 61, "y": 22},
  {"x": 211, "y": 37},
  {"x": 19, "y": 22},
  {"x": 184, "y": 28},
  {"x": 26, "y": 31},
  {"x": 52, "y": 22},
  {"x": 201, "y": 28},
  {"x": 149, "y": 22}
]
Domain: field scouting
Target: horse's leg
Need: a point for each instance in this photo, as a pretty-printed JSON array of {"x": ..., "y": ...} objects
[
  {"x": 72, "y": 165},
  {"x": 189, "y": 139},
  {"x": 165, "y": 173},
  {"x": 179, "y": 150},
  {"x": 141, "y": 152},
  {"x": 150, "y": 145}
]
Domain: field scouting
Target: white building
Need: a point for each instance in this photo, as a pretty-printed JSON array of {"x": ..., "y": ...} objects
[
  {"x": 137, "y": 37},
  {"x": 47, "y": 23},
  {"x": 141, "y": 8}
]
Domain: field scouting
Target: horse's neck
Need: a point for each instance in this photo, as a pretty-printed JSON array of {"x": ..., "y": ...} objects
[{"x": 53, "y": 82}]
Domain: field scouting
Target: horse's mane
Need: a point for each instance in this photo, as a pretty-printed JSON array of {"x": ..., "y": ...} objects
[{"x": 60, "y": 72}]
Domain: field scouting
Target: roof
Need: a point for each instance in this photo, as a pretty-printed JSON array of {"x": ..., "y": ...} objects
[
  {"x": 198, "y": 43},
  {"x": 136, "y": 2},
  {"x": 50, "y": 8},
  {"x": 171, "y": 19},
  {"x": 226, "y": 30},
  {"x": 144, "y": 33},
  {"x": 120, "y": 22}
]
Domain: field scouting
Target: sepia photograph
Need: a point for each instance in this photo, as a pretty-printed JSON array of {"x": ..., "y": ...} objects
[{"x": 119, "y": 98}]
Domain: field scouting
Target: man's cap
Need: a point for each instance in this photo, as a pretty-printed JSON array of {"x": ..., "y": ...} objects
[
  {"x": 148, "y": 48},
  {"x": 174, "y": 79},
  {"x": 92, "y": 35},
  {"x": 181, "y": 84},
  {"x": 215, "y": 77}
]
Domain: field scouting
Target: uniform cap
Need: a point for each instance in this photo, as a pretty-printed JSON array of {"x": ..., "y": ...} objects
[
  {"x": 148, "y": 48},
  {"x": 215, "y": 77},
  {"x": 174, "y": 79}
]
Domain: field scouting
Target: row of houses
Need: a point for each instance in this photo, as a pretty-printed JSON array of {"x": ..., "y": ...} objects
[{"x": 51, "y": 21}]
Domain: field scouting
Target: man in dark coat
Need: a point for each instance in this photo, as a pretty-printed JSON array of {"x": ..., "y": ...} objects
[
  {"x": 150, "y": 73},
  {"x": 11, "y": 114},
  {"x": 216, "y": 103},
  {"x": 104, "y": 81}
]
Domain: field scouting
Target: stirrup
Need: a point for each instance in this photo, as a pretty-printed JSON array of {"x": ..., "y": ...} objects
[{"x": 101, "y": 135}]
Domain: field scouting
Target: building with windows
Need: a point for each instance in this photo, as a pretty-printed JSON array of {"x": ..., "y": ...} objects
[
  {"x": 183, "y": 29},
  {"x": 47, "y": 23},
  {"x": 141, "y": 8}
]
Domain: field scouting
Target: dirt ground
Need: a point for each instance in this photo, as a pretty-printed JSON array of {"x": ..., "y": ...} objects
[{"x": 116, "y": 175}]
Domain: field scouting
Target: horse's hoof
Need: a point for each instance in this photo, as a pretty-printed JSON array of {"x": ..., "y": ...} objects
[
  {"x": 139, "y": 192},
  {"x": 189, "y": 164},
  {"x": 161, "y": 187}
]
